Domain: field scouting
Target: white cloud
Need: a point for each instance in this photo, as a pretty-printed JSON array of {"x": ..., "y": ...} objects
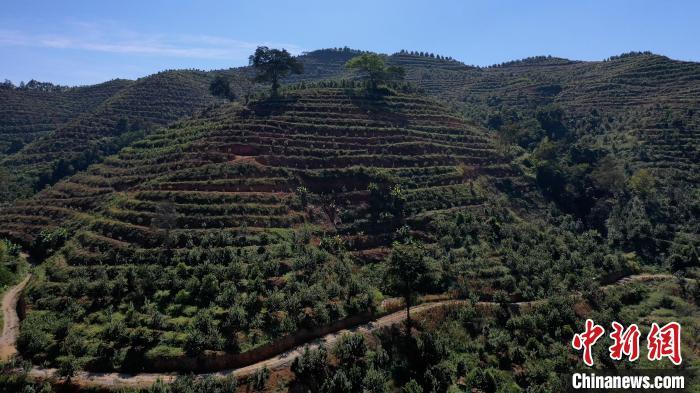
[{"x": 90, "y": 37}]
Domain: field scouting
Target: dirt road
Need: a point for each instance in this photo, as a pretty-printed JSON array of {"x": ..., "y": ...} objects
[
  {"x": 283, "y": 360},
  {"x": 10, "y": 328}
]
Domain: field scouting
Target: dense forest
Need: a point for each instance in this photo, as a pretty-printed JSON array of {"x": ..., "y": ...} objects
[{"x": 190, "y": 215}]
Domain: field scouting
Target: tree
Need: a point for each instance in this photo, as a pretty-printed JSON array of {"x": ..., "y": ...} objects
[
  {"x": 208, "y": 289},
  {"x": 375, "y": 381},
  {"x": 272, "y": 64},
  {"x": 339, "y": 383},
  {"x": 551, "y": 118},
  {"x": 303, "y": 193},
  {"x": 683, "y": 253},
  {"x": 47, "y": 242},
  {"x": 351, "y": 350},
  {"x": 609, "y": 175},
  {"x": 203, "y": 333},
  {"x": 374, "y": 69},
  {"x": 68, "y": 367},
  {"x": 165, "y": 220},
  {"x": 407, "y": 271},
  {"x": 311, "y": 369},
  {"x": 412, "y": 387},
  {"x": 220, "y": 87},
  {"x": 259, "y": 379},
  {"x": 387, "y": 203},
  {"x": 643, "y": 183},
  {"x": 438, "y": 378},
  {"x": 7, "y": 84}
]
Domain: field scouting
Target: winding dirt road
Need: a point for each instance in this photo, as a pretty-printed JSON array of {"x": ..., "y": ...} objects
[
  {"x": 284, "y": 360},
  {"x": 10, "y": 328},
  {"x": 117, "y": 380}
]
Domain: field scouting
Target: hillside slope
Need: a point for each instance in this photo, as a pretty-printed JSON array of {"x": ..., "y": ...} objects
[
  {"x": 331, "y": 151},
  {"x": 29, "y": 113},
  {"x": 236, "y": 211},
  {"x": 649, "y": 104},
  {"x": 125, "y": 116}
]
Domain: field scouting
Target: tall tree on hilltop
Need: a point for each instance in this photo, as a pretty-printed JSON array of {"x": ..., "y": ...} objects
[
  {"x": 272, "y": 64},
  {"x": 375, "y": 69}
]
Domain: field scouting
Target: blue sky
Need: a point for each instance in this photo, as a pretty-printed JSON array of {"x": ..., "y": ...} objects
[{"x": 83, "y": 42}]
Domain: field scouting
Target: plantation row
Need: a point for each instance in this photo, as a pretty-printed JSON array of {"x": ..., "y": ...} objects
[{"x": 614, "y": 87}]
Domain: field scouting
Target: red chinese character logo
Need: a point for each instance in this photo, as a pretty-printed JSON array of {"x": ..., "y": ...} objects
[
  {"x": 586, "y": 340},
  {"x": 624, "y": 342},
  {"x": 665, "y": 342}
]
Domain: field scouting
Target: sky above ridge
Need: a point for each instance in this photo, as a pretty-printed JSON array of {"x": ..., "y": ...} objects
[{"x": 85, "y": 42}]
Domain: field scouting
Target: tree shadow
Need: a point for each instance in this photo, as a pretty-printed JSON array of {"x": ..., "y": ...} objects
[
  {"x": 272, "y": 105},
  {"x": 375, "y": 104}
]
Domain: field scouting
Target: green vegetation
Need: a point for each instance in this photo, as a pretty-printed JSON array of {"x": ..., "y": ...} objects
[
  {"x": 271, "y": 65},
  {"x": 88, "y": 137},
  {"x": 407, "y": 273},
  {"x": 491, "y": 349},
  {"x": 479, "y": 348},
  {"x": 170, "y": 225},
  {"x": 37, "y": 109},
  {"x": 11, "y": 265},
  {"x": 221, "y": 87},
  {"x": 372, "y": 66},
  {"x": 199, "y": 238}
]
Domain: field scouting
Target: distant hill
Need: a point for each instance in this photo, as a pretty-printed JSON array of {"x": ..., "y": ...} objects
[
  {"x": 649, "y": 102},
  {"x": 123, "y": 115},
  {"x": 29, "y": 113}
]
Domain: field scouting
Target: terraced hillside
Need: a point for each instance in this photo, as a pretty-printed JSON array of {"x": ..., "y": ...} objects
[
  {"x": 632, "y": 93},
  {"x": 148, "y": 102},
  {"x": 336, "y": 153},
  {"x": 649, "y": 103},
  {"x": 231, "y": 217},
  {"x": 173, "y": 227},
  {"x": 636, "y": 113},
  {"x": 47, "y": 135},
  {"x": 27, "y": 114}
]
